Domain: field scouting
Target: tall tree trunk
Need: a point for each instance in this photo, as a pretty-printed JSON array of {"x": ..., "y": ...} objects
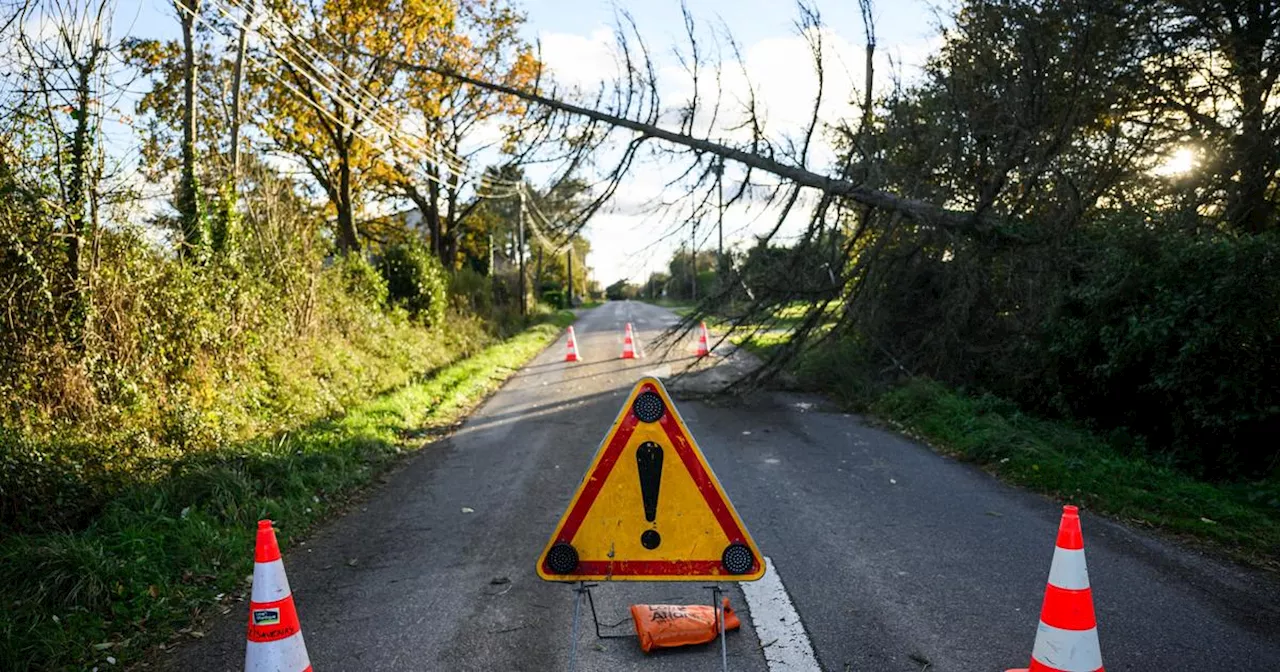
[
  {"x": 537, "y": 277},
  {"x": 226, "y": 222},
  {"x": 348, "y": 240},
  {"x": 188, "y": 201},
  {"x": 449, "y": 252},
  {"x": 77, "y": 200},
  {"x": 925, "y": 213},
  {"x": 432, "y": 212}
]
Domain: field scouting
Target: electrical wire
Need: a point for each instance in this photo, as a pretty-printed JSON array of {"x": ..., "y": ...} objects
[
  {"x": 357, "y": 93},
  {"x": 376, "y": 119},
  {"x": 372, "y": 119},
  {"x": 460, "y": 162}
]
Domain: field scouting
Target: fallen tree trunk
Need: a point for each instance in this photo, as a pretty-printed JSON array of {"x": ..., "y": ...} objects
[{"x": 919, "y": 211}]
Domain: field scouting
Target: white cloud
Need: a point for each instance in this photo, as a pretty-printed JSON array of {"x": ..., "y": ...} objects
[{"x": 580, "y": 60}]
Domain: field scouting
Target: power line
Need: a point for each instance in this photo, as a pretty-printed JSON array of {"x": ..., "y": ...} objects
[
  {"x": 373, "y": 118},
  {"x": 356, "y": 93}
]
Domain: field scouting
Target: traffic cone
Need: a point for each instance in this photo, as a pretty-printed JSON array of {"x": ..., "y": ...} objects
[
  {"x": 628, "y": 344},
  {"x": 1067, "y": 639},
  {"x": 703, "y": 350},
  {"x": 572, "y": 354},
  {"x": 275, "y": 638}
]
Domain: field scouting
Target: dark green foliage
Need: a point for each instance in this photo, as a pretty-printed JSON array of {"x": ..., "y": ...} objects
[
  {"x": 810, "y": 271},
  {"x": 1091, "y": 283},
  {"x": 1105, "y": 473},
  {"x": 621, "y": 290},
  {"x": 472, "y": 291},
  {"x": 1176, "y": 337},
  {"x": 554, "y": 298},
  {"x": 416, "y": 281},
  {"x": 364, "y": 281},
  {"x": 680, "y": 282}
]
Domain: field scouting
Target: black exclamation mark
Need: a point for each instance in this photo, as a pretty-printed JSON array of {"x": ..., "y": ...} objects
[{"x": 649, "y": 461}]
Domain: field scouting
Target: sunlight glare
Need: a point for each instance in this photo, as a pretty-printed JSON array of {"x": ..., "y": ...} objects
[{"x": 1179, "y": 163}]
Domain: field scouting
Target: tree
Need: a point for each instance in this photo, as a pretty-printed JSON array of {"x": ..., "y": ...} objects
[
  {"x": 620, "y": 291},
  {"x": 1213, "y": 80},
  {"x": 339, "y": 89},
  {"x": 968, "y": 210},
  {"x": 65, "y": 71},
  {"x": 433, "y": 170},
  {"x": 219, "y": 104},
  {"x": 188, "y": 196},
  {"x": 656, "y": 286}
]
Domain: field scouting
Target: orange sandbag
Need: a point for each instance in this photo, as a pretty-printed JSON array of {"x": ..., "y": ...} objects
[{"x": 660, "y": 626}]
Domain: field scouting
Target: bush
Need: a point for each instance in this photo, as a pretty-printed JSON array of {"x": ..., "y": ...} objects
[
  {"x": 472, "y": 292},
  {"x": 416, "y": 281},
  {"x": 553, "y": 298},
  {"x": 363, "y": 281},
  {"x": 1177, "y": 337}
]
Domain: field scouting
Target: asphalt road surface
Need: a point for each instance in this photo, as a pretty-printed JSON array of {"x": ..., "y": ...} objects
[{"x": 884, "y": 556}]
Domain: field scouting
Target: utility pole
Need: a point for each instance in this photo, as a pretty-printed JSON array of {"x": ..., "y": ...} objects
[
  {"x": 537, "y": 278},
  {"x": 693, "y": 258},
  {"x": 721, "y": 265},
  {"x": 720, "y": 210},
  {"x": 524, "y": 309},
  {"x": 570, "y": 253}
]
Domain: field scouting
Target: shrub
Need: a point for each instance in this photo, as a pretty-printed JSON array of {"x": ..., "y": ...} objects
[
  {"x": 363, "y": 281},
  {"x": 472, "y": 292},
  {"x": 553, "y": 298},
  {"x": 416, "y": 281},
  {"x": 1177, "y": 337}
]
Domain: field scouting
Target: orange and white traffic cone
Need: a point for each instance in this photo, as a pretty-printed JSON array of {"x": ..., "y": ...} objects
[
  {"x": 703, "y": 350},
  {"x": 275, "y": 637},
  {"x": 628, "y": 344},
  {"x": 572, "y": 354},
  {"x": 1067, "y": 640}
]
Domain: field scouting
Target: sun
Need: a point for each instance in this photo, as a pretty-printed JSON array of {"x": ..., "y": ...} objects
[{"x": 1179, "y": 163}]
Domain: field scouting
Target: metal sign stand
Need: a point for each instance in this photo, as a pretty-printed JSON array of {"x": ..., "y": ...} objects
[
  {"x": 584, "y": 588},
  {"x": 718, "y": 605}
]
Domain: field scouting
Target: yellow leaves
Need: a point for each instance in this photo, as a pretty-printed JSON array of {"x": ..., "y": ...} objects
[
  {"x": 525, "y": 70},
  {"x": 406, "y": 28}
]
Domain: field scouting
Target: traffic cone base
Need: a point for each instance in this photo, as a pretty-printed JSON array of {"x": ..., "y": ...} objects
[
  {"x": 1067, "y": 637},
  {"x": 572, "y": 354},
  {"x": 274, "y": 635}
]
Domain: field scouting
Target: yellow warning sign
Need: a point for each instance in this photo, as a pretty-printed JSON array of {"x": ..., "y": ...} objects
[{"x": 650, "y": 508}]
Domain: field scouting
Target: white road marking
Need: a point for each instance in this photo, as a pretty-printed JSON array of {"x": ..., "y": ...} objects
[{"x": 782, "y": 636}]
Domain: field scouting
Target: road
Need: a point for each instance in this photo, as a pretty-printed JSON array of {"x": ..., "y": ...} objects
[{"x": 894, "y": 558}]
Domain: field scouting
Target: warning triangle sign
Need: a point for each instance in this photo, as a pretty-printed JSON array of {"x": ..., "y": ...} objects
[{"x": 649, "y": 507}]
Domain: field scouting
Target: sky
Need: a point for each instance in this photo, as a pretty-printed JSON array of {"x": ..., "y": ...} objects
[{"x": 576, "y": 42}]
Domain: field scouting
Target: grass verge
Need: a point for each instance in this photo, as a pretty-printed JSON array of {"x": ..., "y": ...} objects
[
  {"x": 1112, "y": 474},
  {"x": 677, "y": 305},
  {"x": 164, "y": 555},
  {"x": 1104, "y": 474}
]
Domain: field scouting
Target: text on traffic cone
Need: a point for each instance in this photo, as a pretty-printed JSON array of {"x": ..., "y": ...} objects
[{"x": 275, "y": 636}]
